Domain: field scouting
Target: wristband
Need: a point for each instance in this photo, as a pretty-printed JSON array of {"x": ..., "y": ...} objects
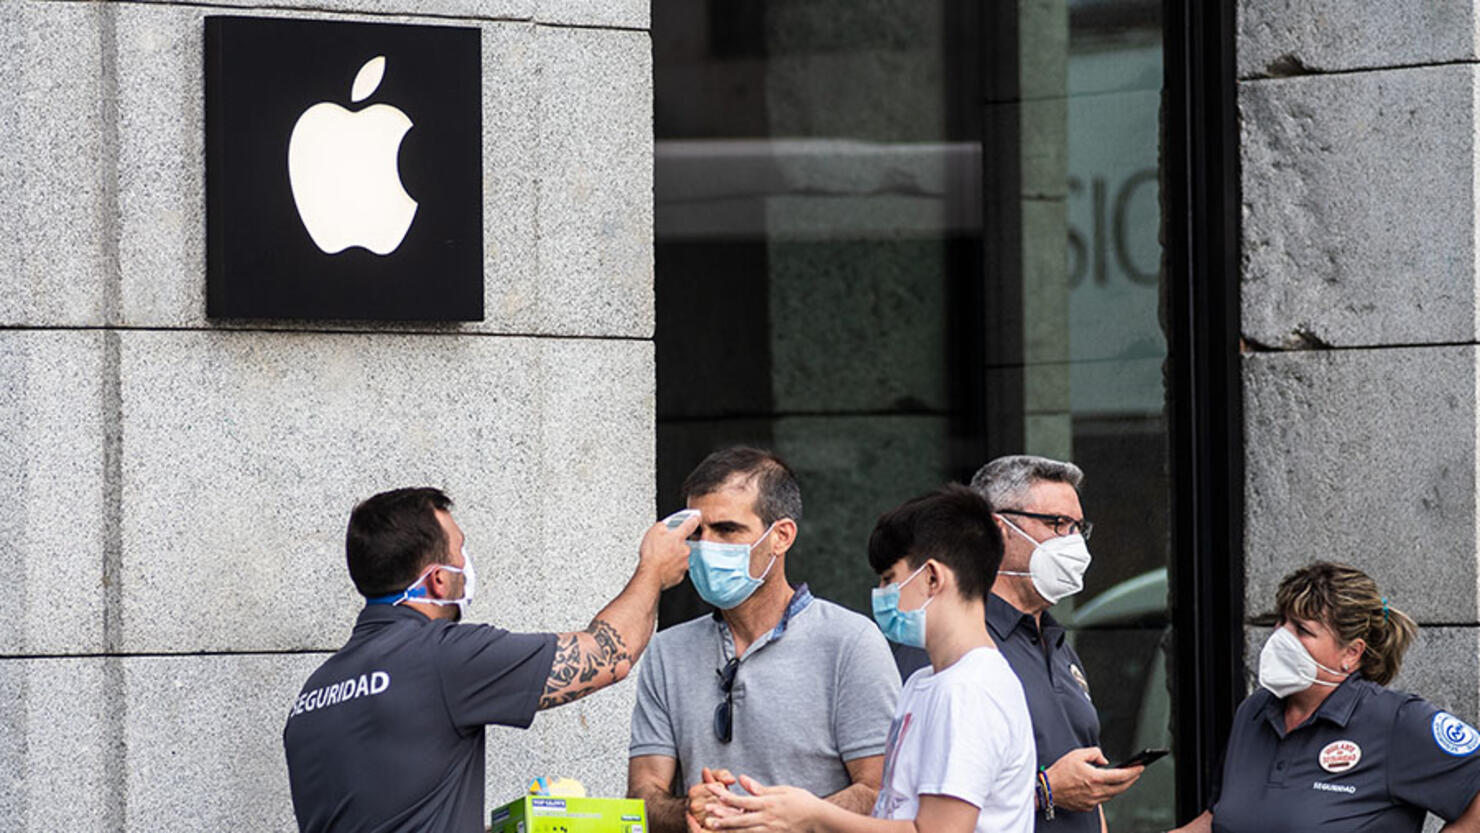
[{"x": 1047, "y": 794}]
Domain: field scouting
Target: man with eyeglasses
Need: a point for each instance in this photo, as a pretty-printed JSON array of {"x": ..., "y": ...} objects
[
  {"x": 775, "y": 683},
  {"x": 1036, "y": 503}
]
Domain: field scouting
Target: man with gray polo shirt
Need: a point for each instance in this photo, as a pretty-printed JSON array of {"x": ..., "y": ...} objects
[{"x": 776, "y": 684}]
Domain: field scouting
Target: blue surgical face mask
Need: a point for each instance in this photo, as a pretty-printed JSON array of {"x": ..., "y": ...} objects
[
  {"x": 907, "y": 627},
  {"x": 721, "y": 572}
]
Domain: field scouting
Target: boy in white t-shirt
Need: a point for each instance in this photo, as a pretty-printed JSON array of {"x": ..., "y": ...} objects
[{"x": 960, "y": 757}]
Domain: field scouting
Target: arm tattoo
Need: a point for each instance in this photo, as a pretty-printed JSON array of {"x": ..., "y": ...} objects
[
  {"x": 576, "y": 672},
  {"x": 609, "y": 645}
]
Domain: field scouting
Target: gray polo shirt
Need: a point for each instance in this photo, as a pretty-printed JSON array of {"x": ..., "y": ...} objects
[
  {"x": 387, "y": 735},
  {"x": 818, "y": 690},
  {"x": 1369, "y": 759}
]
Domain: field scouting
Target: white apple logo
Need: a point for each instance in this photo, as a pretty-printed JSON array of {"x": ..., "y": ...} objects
[{"x": 343, "y": 170}]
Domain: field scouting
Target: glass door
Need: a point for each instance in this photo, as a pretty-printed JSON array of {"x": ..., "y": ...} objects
[{"x": 897, "y": 238}]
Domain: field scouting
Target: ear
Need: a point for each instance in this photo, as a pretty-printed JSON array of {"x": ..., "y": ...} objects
[
  {"x": 783, "y": 535},
  {"x": 1352, "y": 654},
  {"x": 1003, "y": 529},
  {"x": 439, "y": 584},
  {"x": 937, "y": 576}
]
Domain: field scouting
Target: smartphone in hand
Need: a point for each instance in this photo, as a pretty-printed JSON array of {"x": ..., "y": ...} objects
[{"x": 1142, "y": 758}]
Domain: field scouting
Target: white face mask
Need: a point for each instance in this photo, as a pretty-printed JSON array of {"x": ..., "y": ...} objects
[
  {"x": 1286, "y": 668},
  {"x": 1056, "y": 566}
]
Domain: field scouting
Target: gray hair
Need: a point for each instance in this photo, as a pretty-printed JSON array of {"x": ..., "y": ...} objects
[{"x": 1005, "y": 481}]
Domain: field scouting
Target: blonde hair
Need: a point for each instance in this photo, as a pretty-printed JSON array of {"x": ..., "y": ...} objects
[{"x": 1347, "y": 601}]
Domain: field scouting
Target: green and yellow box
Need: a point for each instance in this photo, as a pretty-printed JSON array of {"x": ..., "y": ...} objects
[{"x": 540, "y": 814}]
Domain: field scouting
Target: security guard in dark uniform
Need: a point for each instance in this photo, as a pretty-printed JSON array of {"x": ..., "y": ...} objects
[
  {"x": 1323, "y": 746},
  {"x": 387, "y": 735}
]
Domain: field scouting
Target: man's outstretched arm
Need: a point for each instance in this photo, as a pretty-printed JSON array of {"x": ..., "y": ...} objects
[{"x": 604, "y": 652}]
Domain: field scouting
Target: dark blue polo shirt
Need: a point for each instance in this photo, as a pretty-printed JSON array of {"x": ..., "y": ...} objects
[
  {"x": 1369, "y": 759},
  {"x": 387, "y": 735},
  {"x": 1053, "y": 679}
]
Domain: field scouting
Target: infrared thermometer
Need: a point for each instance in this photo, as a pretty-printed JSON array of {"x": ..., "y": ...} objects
[{"x": 677, "y": 519}]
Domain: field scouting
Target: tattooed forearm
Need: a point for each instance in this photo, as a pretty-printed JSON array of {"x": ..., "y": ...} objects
[
  {"x": 609, "y": 646},
  {"x": 581, "y": 661},
  {"x": 567, "y": 659}
]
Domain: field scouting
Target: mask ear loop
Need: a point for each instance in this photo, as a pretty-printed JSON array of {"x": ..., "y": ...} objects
[
  {"x": 900, "y": 586},
  {"x": 459, "y": 570},
  {"x": 1332, "y": 671},
  {"x": 772, "y": 562},
  {"x": 1018, "y": 530},
  {"x": 422, "y": 596}
]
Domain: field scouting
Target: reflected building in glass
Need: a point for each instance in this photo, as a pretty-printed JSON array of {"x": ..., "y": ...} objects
[{"x": 898, "y": 238}]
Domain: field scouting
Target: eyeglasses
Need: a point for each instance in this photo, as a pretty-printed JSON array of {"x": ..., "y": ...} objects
[
  {"x": 1062, "y": 524},
  {"x": 724, "y": 713}
]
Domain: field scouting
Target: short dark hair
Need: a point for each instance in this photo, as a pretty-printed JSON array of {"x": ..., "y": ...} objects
[
  {"x": 953, "y": 525},
  {"x": 392, "y": 537},
  {"x": 777, "y": 493}
]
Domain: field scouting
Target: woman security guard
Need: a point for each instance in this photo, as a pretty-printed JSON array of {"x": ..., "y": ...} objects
[{"x": 1323, "y": 745}]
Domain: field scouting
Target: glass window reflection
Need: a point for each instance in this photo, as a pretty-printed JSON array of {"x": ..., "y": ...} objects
[{"x": 896, "y": 238}]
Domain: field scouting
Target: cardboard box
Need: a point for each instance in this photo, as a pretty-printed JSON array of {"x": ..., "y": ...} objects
[{"x": 538, "y": 814}]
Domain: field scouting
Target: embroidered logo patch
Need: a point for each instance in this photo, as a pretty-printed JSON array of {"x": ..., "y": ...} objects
[
  {"x": 1340, "y": 756},
  {"x": 1454, "y": 735},
  {"x": 1079, "y": 678}
]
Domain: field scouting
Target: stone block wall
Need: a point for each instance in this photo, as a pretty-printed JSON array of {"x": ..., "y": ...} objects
[
  {"x": 1360, "y": 284},
  {"x": 175, "y": 489}
]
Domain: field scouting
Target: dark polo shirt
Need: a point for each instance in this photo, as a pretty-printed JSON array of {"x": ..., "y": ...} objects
[
  {"x": 387, "y": 735},
  {"x": 1369, "y": 759},
  {"x": 1053, "y": 679}
]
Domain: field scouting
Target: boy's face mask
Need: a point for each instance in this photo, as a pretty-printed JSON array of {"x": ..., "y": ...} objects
[{"x": 906, "y": 627}]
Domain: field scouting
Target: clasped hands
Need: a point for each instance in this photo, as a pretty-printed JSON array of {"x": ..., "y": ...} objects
[{"x": 713, "y": 807}]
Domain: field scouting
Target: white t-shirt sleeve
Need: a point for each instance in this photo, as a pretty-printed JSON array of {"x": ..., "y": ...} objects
[{"x": 969, "y": 732}]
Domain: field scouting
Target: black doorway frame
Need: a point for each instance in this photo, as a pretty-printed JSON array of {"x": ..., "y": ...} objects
[{"x": 1201, "y": 156}]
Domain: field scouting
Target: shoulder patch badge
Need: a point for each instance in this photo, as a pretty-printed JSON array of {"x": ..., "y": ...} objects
[
  {"x": 1340, "y": 755},
  {"x": 1454, "y": 735},
  {"x": 1079, "y": 678}
]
